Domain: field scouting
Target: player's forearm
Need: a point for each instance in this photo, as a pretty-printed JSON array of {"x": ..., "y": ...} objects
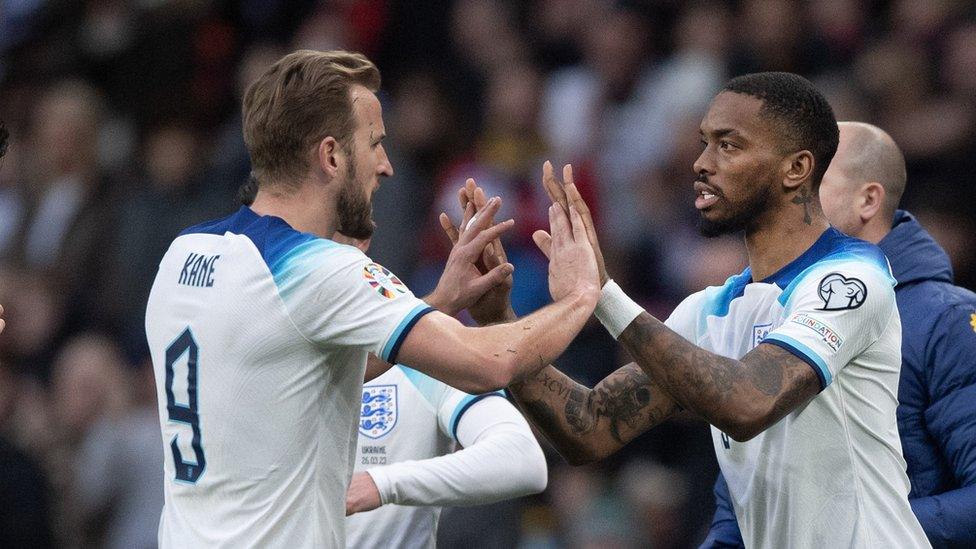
[
  {"x": 563, "y": 411},
  {"x": 504, "y": 464},
  {"x": 585, "y": 424},
  {"x": 737, "y": 399},
  {"x": 529, "y": 344}
]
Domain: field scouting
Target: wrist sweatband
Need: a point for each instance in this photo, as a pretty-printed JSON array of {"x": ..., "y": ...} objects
[{"x": 615, "y": 310}]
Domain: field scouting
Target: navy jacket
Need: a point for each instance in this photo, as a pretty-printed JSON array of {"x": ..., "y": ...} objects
[{"x": 936, "y": 394}]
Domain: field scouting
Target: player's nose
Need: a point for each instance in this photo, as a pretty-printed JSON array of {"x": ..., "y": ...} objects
[
  {"x": 384, "y": 168},
  {"x": 703, "y": 164}
]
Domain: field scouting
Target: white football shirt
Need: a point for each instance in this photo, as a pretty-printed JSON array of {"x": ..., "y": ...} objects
[
  {"x": 405, "y": 416},
  {"x": 259, "y": 336},
  {"x": 831, "y": 473}
]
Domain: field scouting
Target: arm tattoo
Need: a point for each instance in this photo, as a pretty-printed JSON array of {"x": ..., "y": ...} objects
[
  {"x": 804, "y": 197},
  {"x": 721, "y": 390},
  {"x": 603, "y": 419}
]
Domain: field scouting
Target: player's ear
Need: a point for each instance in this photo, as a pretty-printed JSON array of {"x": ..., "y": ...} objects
[
  {"x": 797, "y": 169},
  {"x": 870, "y": 199},
  {"x": 329, "y": 156}
]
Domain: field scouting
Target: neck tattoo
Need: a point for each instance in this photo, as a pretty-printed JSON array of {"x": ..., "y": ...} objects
[{"x": 804, "y": 197}]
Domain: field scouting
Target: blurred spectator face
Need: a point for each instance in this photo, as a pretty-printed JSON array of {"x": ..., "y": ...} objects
[
  {"x": 8, "y": 394},
  {"x": 89, "y": 382},
  {"x": 615, "y": 48},
  {"x": 419, "y": 122},
  {"x": 705, "y": 28},
  {"x": 915, "y": 20},
  {"x": 484, "y": 35},
  {"x": 513, "y": 100},
  {"x": 838, "y": 20},
  {"x": 770, "y": 27},
  {"x": 959, "y": 66},
  {"x": 657, "y": 494},
  {"x": 736, "y": 171},
  {"x": 562, "y": 19},
  {"x": 32, "y": 310},
  {"x": 170, "y": 152},
  {"x": 66, "y": 129},
  {"x": 890, "y": 72}
]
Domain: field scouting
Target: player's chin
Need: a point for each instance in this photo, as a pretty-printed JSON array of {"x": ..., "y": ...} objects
[{"x": 711, "y": 224}]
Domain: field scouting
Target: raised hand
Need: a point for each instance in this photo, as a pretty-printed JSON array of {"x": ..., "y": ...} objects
[
  {"x": 495, "y": 305},
  {"x": 572, "y": 263},
  {"x": 462, "y": 282},
  {"x": 566, "y": 193}
]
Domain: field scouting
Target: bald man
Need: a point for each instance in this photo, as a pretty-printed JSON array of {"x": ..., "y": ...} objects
[{"x": 937, "y": 391}]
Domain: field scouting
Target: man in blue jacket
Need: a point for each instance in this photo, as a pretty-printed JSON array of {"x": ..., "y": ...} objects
[{"x": 937, "y": 392}]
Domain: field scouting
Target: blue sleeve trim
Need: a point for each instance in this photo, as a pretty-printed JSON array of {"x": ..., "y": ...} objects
[
  {"x": 463, "y": 406},
  {"x": 392, "y": 347},
  {"x": 805, "y": 354}
]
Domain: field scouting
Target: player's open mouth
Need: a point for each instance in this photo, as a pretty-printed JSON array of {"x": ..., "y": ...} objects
[{"x": 706, "y": 197}]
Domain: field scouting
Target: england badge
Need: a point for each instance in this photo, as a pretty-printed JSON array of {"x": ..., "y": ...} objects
[{"x": 378, "y": 412}]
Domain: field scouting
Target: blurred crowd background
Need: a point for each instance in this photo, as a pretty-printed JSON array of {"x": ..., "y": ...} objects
[{"x": 126, "y": 127}]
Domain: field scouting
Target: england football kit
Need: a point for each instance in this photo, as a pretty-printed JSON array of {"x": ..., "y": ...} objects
[
  {"x": 831, "y": 473},
  {"x": 259, "y": 336},
  {"x": 406, "y": 416}
]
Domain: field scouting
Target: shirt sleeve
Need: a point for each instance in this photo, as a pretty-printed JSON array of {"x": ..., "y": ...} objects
[
  {"x": 337, "y": 296},
  {"x": 454, "y": 405},
  {"x": 684, "y": 319},
  {"x": 833, "y": 313},
  {"x": 492, "y": 431}
]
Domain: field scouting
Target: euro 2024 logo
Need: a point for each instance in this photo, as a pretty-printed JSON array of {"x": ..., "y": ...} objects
[{"x": 839, "y": 292}]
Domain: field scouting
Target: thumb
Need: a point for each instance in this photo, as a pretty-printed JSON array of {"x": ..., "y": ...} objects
[
  {"x": 492, "y": 278},
  {"x": 543, "y": 241}
]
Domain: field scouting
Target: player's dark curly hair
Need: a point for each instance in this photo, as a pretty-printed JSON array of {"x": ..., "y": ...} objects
[{"x": 799, "y": 112}]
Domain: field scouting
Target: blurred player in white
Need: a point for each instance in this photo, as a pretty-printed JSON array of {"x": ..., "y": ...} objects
[
  {"x": 411, "y": 423},
  {"x": 405, "y": 458},
  {"x": 259, "y": 325}
]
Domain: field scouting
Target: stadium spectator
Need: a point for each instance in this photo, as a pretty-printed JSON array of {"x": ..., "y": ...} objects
[
  {"x": 121, "y": 510},
  {"x": 937, "y": 409}
]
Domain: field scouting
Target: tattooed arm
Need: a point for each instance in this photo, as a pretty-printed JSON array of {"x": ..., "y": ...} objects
[
  {"x": 741, "y": 397},
  {"x": 586, "y": 424}
]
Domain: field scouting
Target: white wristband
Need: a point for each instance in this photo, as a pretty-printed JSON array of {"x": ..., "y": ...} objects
[{"x": 615, "y": 310}]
